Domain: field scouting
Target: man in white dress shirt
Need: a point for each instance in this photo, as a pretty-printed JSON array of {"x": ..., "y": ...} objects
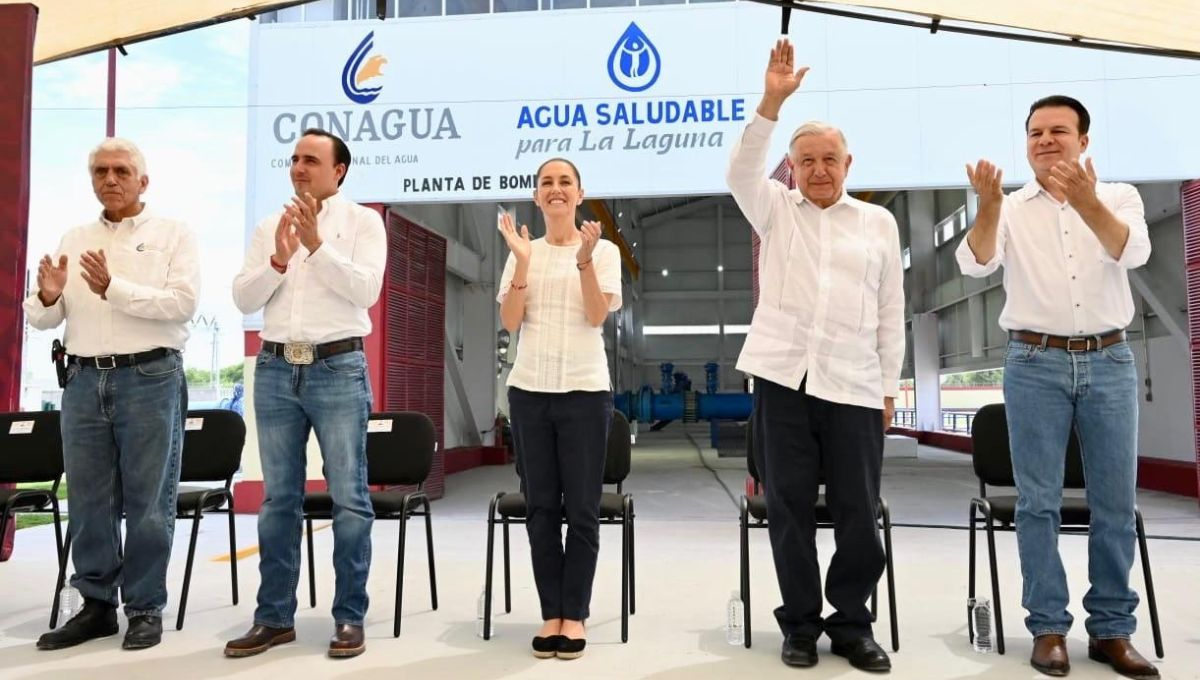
[
  {"x": 126, "y": 285},
  {"x": 1065, "y": 242},
  {"x": 825, "y": 347},
  {"x": 314, "y": 269}
]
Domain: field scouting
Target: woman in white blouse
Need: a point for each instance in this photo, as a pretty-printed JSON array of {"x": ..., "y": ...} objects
[{"x": 558, "y": 290}]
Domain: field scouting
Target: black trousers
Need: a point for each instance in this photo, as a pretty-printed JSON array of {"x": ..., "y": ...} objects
[
  {"x": 802, "y": 441},
  {"x": 561, "y": 440}
]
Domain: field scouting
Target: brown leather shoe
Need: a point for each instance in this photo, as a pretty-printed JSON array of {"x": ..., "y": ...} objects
[
  {"x": 258, "y": 640},
  {"x": 1050, "y": 655},
  {"x": 1124, "y": 659},
  {"x": 347, "y": 640}
]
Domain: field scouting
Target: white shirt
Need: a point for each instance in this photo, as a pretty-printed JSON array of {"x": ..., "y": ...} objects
[
  {"x": 558, "y": 350},
  {"x": 154, "y": 267},
  {"x": 323, "y": 296},
  {"x": 831, "y": 286},
  {"x": 1058, "y": 279}
]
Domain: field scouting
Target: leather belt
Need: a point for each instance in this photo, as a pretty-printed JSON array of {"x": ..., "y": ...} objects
[
  {"x": 1088, "y": 343},
  {"x": 111, "y": 361},
  {"x": 304, "y": 353}
]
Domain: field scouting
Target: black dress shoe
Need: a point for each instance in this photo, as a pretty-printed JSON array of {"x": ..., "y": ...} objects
[
  {"x": 97, "y": 619},
  {"x": 547, "y": 647},
  {"x": 143, "y": 632},
  {"x": 347, "y": 641},
  {"x": 258, "y": 640},
  {"x": 799, "y": 651},
  {"x": 570, "y": 648},
  {"x": 864, "y": 654}
]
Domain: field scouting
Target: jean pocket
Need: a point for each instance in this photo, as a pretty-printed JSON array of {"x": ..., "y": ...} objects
[
  {"x": 1022, "y": 352},
  {"x": 263, "y": 359},
  {"x": 346, "y": 363},
  {"x": 160, "y": 367},
  {"x": 1119, "y": 352}
]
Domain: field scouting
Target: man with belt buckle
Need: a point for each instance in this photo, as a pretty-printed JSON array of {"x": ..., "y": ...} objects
[
  {"x": 314, "y": 269},
  {"x": 125, "y": 396},
  {"x": 1066, "y": 241}
]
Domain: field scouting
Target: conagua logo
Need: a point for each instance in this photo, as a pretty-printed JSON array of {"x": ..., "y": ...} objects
[
  {"x": 634, "y": 64},
  {"x": 356, "y": 72}
]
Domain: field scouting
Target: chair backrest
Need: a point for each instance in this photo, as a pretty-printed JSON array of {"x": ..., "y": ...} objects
[
  {"x": 31, "y": 447},
  {"x": 616, "y": 458},
  {"x": 993, "y": 460},
  {"x": 400, "y": 448},
  {"x": 212, "y": 445}
]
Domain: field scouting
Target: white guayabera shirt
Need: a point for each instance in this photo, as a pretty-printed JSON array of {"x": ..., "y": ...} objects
[{"x": 831, "y": 286}]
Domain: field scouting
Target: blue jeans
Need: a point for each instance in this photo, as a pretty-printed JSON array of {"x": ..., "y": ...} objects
[
  {"x": 333, "y": 397},
  {"x": 1047, "y": 392},
  {"x": 122, "y": 434}
]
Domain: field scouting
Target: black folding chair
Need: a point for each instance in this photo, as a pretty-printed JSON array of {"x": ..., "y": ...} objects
[
  {"x": 993, "y": 466},
  {"x": 400, "y": 448},
  {"x": 30, "y": 452},
  {"x": 615, "y": 508},
  {"x": 212, "y": 452},
  {"x": 754, "y": 507}
]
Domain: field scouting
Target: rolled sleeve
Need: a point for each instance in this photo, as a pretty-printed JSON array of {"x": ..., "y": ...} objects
[{"x": 1130, "y": 211}]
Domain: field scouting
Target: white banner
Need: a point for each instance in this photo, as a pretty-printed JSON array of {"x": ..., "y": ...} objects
[{"x": 647, "y": 101}]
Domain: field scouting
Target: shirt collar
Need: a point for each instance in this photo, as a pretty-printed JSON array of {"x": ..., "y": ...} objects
[
  {"x": 135, "y": 221},
  {"x": 844, "y": 199}
]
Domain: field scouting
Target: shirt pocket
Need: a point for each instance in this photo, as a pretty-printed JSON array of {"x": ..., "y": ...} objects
[
  {"x": 142, "y": 263},
  {"x": 771, "y": 337}
]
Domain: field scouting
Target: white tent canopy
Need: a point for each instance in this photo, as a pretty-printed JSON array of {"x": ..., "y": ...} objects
[
  {"x": 1164, "y": 25},
  {"x": 67, "y": 28}
]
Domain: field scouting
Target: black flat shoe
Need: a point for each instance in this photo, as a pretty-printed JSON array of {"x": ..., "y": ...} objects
[
  {"x": 546, "y": 647},
  {"x": 569, "y": 648}
]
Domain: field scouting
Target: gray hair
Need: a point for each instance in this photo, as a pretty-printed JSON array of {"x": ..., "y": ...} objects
[
  {"x": 814, "y": 128},
  {"x": 119, "y": 144}
]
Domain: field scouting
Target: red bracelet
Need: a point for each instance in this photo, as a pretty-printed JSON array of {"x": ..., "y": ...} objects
[
  {"x": 583, "y": 265},
  {"x": 281, "y": 268},
  {"x": 523, "y": 286}
]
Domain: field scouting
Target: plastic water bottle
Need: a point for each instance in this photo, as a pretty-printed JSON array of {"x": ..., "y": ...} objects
[
  {"x": 734, "y": 633},
  {"x": 479, "y": 615},
  {"x": 68, "y": 602},
  {"x": 981, "y": 625}
]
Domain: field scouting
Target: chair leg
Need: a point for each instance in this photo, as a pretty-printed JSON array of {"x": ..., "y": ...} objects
[
  {"x": 187, "y": 571},
  {"x": 312, "y": 568},
  {"x": 507, "y": 571},
  {"x": 487, "y": 576},
  {"x": 632, "y": 562},
  {"x": 1151, "y": 601},
  {"x": 233, "y": 556},
  {"x": 970, "y": 572},
  {"x": 400, "y": 569},
  {"x": 991, "y": 539},
  {"x": 62, "y": 578},
  {"x": 875, "y": 603},
  {"x": 744, "y": 563},
  {"x": 625, "y": 573},
  {"x": 891, "y": 579},
  {"x": 429, "y": 549}
]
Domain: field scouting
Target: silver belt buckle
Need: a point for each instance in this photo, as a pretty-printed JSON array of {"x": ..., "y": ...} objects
[
  {"x": 300, "y": 353},
  {"x": 1084, "y": 348},
  {"x": 105, "y": 363}
]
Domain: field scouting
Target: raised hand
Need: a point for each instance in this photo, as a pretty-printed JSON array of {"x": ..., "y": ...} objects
[
  {"x": 1075, "y": 181},
  {"x": 95, "y": 271},
  {"x": 51, "y": 279},
  {"x": 986, "y": 180},
  {"x": 782, "y": 79},
  {"x": 286, "y": 240},
  {"x": 518, "y": 243},
  {"x": 589, "y": 235}
]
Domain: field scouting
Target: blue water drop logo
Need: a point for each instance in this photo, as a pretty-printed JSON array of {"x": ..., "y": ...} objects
[
  {"x": 634, "y": 64},
  {"x": 354, "y": 73}
]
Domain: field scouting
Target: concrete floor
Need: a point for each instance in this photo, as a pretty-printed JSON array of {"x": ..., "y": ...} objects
[{"x": 686, "y": 566}]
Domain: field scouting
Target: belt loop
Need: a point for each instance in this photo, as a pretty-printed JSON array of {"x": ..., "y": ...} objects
[
  {"x": 1045, "y": 341},
  {"x": 1099, "y": 342}
]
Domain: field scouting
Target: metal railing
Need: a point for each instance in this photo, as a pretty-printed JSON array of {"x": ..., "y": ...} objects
[{"x": 953, "y": 420}]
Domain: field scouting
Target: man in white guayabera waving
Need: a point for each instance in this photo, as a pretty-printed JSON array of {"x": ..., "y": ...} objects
[{"x": 825, "y": 347}]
